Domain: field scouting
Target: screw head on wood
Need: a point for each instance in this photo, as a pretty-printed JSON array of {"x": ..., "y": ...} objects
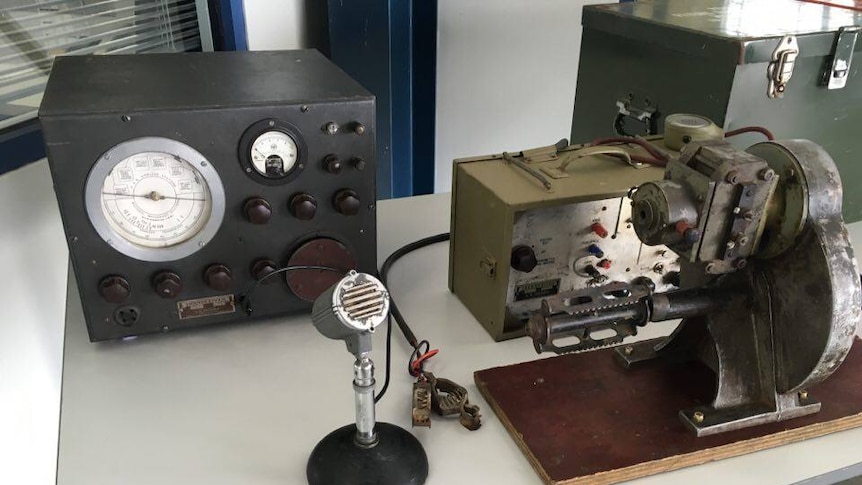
[{"x": 697, "y": 416}]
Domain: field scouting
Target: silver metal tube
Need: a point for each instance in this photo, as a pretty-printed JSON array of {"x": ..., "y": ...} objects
[{"x": 363, "y": 388}]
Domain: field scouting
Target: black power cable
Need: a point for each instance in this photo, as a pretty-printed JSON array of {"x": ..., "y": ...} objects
[
  {"x": 393, "y": 308},
  {"x": 245, "y": 297}
]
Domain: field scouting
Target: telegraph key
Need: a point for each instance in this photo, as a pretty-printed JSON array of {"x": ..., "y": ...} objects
[{"x": 185, "y": 179}]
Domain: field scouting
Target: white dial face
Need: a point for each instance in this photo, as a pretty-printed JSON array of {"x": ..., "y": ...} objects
[
  {"x": 155, "y": 200},
  {"x": 273, "y": 154}
]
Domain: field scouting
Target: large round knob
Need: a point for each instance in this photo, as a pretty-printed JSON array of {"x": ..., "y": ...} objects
[
  {"x": 257, "y": 210},
  {"x": 303, "y": 206},
  {"x": 332, "y": 164},
  {"x": 347, "y": 202},
  {"x": 524, "y": 258},
  {"x": 262, "y": 268},
  {"x": 114, "y": 289},
  {"x": 167, "y": 284},
  {"x": 218, "y": 277}
]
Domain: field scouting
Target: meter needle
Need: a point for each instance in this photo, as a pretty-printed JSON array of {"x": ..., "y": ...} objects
[{"x": 152, "y": 196}]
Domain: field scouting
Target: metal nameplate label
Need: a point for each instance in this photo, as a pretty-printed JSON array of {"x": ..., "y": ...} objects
[
  {"x": 537, "y": 289},
  {"x": 205, "y": 307}
]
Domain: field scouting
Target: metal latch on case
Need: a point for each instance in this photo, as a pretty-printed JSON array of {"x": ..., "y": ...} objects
[
  {"x": 838, "y": 71},
  {"x": 780, "y": 68}
]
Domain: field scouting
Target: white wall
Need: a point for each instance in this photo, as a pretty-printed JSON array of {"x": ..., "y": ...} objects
[
  {"x": 285, "y": 24},
  {"x": 506, "y": 72}
]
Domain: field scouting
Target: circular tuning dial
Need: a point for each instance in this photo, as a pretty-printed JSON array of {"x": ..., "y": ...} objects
[
  {"x": 261, "y": 268},
  {"x": 347, "y": 202},
  {"x": 114, "y": 289},
  {"x": 257, "y": 210},
  {"x": 167, "y": 284},
  {"x": 218, "y": 277},
  {"x": 303, "y": 206}
]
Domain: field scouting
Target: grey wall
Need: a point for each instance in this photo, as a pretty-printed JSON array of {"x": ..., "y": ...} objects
[{"x": 506, "y": 73}]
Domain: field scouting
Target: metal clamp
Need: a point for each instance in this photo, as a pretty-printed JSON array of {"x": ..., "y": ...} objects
[
  {"x": 835, "y": 77},
  {"x": 780, "y": 69}
]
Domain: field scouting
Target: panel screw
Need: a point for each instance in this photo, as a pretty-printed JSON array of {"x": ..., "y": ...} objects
[
  {"x": 303, "y": 108},
  {"x": 732, "y": 177},
  {"x": 126, "y": 118},
  {"x": 697, "y": 416},
  {"x": 330, "y": 128},
  {"x": 766, "y": 174},
  {"x": 803, "y": 394}
]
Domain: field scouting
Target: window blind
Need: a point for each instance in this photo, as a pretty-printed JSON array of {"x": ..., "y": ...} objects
[{"x": 33, "y": 32}]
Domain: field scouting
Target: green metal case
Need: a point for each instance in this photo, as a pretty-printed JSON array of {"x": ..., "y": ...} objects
[
  {"x": 656, "y": 57},
  {"x": 497, "y": 206}
]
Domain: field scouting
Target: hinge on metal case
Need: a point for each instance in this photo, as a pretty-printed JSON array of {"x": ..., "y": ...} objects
[
  {"x": 836, "y": 74},
  {"x": 780, "y": 68}
]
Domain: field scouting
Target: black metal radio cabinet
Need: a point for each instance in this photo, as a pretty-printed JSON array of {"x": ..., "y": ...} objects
[{"x": 183, "y": 179}]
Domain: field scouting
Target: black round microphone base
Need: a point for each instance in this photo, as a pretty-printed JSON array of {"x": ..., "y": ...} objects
[{"x": 397, "y": 459}]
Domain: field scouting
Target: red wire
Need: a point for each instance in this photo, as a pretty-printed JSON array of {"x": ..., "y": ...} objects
[
  {"x": 658, "y": 159},
  {"x": 416, "y": 365},
  {"x": 751, "y": 129}
]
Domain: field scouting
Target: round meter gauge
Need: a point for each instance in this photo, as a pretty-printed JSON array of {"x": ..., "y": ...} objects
[
  {"x": 273, "y": 154},
  {"x": 272, "y": 151},
  {"x": 155, "y": 199}
]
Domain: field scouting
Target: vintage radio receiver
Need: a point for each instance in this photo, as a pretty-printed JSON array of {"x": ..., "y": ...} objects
[
  {"x": 185, "y": 179},
  {"x": 530, "y": 225}
]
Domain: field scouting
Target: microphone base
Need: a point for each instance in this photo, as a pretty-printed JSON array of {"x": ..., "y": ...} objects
[{"x": 397, "y": 459}]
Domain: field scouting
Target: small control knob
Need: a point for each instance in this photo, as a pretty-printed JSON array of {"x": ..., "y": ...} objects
[
  {"x": 218, "y": 277},
  {"x": 347, "y": 202},
  {"x": 359, "y": 128},
  {"x": 167, "y": 284},
  {"x": 262, "y": 268},
  {"x": 303, "y": 206},
  {"x": 604, "y": 264},
  {"x": 332, "y": 164},
  {"x": 599, "y": 229},
  {"x": 359, "y": 164},
  {"x": 114, "y": 289},
  {"x": 523, "y": 259},
  {"x": 331, "y": 128},
  {"x": 596, "y": 251},
  {"x": 257, "y": 210}
]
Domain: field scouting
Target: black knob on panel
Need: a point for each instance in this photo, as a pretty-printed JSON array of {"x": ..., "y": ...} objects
[
  {"x": 347, "y": 202},
  {"x": 114, "y": 289},
  {"x": 332, "y": 164},
  {"x": 261, "y": 268},
  {"x": 218, "y": 277},
  {"x": 167, "y": 284},
  {"x": 257, "y": 210},
  {"x": 303, "y": 206},
  {"x": 359, "y": 164},
  {"x": 524, "y": 258}
]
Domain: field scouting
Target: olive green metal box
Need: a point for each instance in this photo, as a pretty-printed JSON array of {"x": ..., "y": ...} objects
[
  {"x": 497, "y": 207},
  {"x": 643, "y": 60}
]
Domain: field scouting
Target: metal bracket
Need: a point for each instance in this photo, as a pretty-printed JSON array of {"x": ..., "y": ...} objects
[
  {"x": 780, "y": 68},
  {"x": 648, "y": 116},
  {"x": 835, "y": 77}
]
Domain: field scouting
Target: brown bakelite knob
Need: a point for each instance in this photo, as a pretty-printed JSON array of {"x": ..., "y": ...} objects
[
  {"x": 257, "y": 210},
  {"x": 347, "y": 202},
  {"x": 261, "y": 268},
  {"x": 332, "y": 164},
  {"x": 167, "y": 284},
  {"x": 218, "y": 277},
  {"x": 303, "y": 206},
  {"x": 114, "y": 289}
]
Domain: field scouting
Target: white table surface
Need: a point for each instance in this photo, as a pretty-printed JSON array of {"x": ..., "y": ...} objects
[{"x": 245, "y": 404}]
